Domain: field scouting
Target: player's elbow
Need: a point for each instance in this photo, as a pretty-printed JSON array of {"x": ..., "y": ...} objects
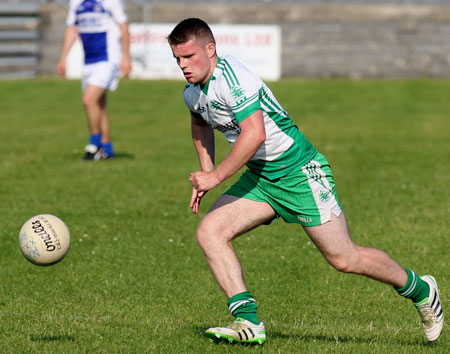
[
  {"x": 256, "y": 141},
  {"x": 260, "y": 137}
]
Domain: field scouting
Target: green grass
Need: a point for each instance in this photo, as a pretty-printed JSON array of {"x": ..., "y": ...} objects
[{"x": 135, "y": 281}]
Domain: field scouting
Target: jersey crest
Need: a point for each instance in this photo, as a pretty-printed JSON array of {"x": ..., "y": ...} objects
[{"x": 238, "y": 93}]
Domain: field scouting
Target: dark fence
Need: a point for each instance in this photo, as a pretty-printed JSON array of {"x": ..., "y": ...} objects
[{"x": 19, "y": 40}]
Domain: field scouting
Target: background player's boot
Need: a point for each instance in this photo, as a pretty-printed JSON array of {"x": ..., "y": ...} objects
[
  {"x": 91, "y": 151},
  {"x": 240, "y": 331},
  {"x": 94, "y": 152},
  {"x": 430, "y": 311}
]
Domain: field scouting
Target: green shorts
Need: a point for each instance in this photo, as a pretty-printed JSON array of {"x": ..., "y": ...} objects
[{"x": 307, "y": 196}]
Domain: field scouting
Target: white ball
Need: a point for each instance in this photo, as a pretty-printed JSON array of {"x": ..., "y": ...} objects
[{"x": 44, "y": 239}]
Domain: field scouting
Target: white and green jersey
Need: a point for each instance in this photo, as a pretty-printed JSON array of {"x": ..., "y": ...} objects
[{"x": 232, "y": 94}]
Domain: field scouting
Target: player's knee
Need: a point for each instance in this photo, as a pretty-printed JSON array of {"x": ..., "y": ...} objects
[
  {"x": 209, "y": 234},
  {"x": 200, "y": 235},
  {"x": 345, "y": 263},
  {"x": 342, "y": 265},
  {"x": 204, "y": 234},
  {"x": 89, "y": 100}
]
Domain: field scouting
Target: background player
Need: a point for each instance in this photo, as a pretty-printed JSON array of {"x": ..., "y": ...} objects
[
  {"x": 286, "y": 177},
  {"x": 103, "y": 28}
]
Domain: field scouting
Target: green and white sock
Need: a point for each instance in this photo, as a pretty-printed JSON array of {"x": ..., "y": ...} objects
[
  {"x": 243, "y": 305},
  {"x": 415, "y": 289}
]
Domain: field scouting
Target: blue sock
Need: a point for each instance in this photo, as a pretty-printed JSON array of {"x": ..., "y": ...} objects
[
  {"x": 95, "y": 139},
  {"x": 108, "y": 149}
]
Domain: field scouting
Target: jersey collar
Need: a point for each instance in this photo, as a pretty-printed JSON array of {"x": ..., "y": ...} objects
[{"x": 205, "y": 88}]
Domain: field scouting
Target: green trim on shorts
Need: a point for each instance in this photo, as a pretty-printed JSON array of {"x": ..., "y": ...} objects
[{"x": 306, "y": 196}]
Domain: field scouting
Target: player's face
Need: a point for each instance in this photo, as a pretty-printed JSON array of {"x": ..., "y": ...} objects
[{"x": 196, "y": 60}]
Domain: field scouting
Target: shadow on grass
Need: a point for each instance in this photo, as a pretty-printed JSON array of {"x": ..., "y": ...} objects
[
  {"x": 53, "y": 338},
  {"x": 123, "y": 155},
  {"x": 117, "y": 156},
  {"x": 198, "y": 331},
  {"x": 353, "y": 339}
]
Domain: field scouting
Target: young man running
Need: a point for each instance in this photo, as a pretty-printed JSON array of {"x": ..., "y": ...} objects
[{"x": 286, "y": 177}]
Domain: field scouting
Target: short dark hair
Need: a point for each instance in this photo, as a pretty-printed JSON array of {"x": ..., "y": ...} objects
[{"x": 191, "y": 28}]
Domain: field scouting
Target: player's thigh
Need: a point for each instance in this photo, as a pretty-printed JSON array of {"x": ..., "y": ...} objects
[
  {"x": 231, "y": 216},
  {"x": 333, "y": 237},
  {"x": 94, "y": 94}
]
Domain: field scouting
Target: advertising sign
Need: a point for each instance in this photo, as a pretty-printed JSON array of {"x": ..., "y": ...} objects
[{"x": 258, "y": 46}]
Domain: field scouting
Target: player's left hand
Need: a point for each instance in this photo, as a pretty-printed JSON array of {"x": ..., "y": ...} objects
[
  {"x": 203, "y": 181},
  {"x": 125, "y": 67},
  {"x": 196, "y": 198}
]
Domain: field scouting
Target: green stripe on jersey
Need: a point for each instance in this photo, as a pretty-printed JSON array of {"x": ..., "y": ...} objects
[
  {"x": 281, "y": 118},
  {"x": 239, "y": 106},
  {"x": 230, "y": 71},
  {"x": 267, "y": 101},
  {"x": 300, "y": 153},
  {"x": 246, "y": 108}
]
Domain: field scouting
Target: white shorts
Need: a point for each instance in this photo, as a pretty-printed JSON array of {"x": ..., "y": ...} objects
[{"x": 103, "y": 74}]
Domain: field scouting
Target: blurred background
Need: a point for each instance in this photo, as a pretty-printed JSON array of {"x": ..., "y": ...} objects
[{"x": 317, "y": 38}]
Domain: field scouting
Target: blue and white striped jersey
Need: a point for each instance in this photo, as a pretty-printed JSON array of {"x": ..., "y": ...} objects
[{"x": 98, "y": 25}]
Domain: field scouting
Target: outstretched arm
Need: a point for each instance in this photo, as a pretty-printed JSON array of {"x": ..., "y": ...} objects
[
  {"x": 125, "y": 65},
  {"x": 252, "y": 136},
  {"x": 70, "y": 36}
]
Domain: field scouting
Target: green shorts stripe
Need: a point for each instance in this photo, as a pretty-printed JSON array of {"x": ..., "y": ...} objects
[{"x": 306, "y": 196}]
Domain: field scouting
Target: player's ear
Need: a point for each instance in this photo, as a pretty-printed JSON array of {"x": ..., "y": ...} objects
[{"x": 211, "y": 49}]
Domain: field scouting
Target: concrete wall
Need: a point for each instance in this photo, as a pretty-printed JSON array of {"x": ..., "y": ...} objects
[{"x": 318, "y": 40}]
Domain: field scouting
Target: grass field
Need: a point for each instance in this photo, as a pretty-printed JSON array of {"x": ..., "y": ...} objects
[{"x": 135, "y": 281}]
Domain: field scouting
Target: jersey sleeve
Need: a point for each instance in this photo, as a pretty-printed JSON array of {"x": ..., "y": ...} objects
[
  {"x": 71, "y": 18},
  {"x": 187, "y": 96},
  {"x": 240, "y": 90},
  {"x": 118, "y": 11}
]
